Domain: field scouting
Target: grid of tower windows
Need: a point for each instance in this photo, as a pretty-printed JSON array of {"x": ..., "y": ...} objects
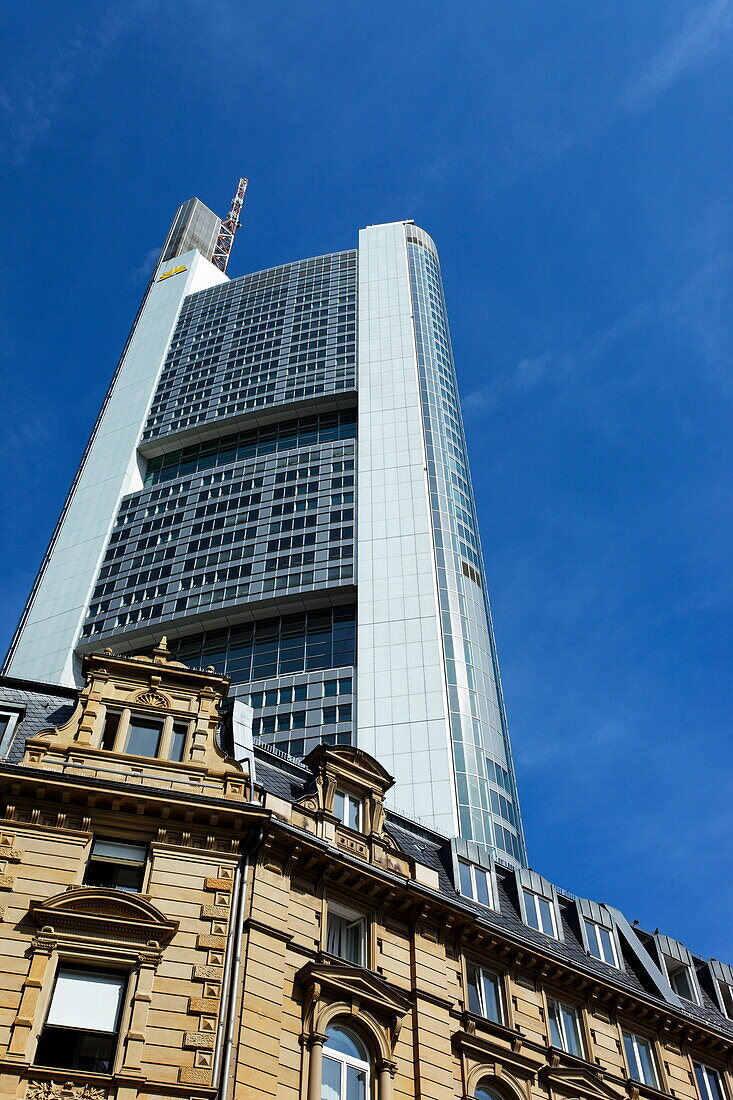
[
  {"x": 285, "y": 334},
  {"x": 280, "y": 436},
  {"x": 316, "y": 639},
  {"x": 269, "y": 526},
  {"x": 488, "y": 816},
  {"x": 299, "y": 712}
]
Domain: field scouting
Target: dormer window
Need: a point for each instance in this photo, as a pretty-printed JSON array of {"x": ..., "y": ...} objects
[
  {"x": 8, "y": 721},
  {"x": 111, "y": 726},
  {"x": 475, "y": 882},
  {"x": 144, "y": 736},
  {"x": 725, "y": 992},
  {"x": 539, "y": 913},
  {"x": 178, "y": 741},
  {"x": 680, "y": 978},
  {"x": 601, "y": 944},
  {"x": 347, "y": 808}
]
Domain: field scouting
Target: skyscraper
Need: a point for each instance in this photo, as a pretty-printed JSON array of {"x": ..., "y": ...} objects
[{"x": 278, "y": 481}]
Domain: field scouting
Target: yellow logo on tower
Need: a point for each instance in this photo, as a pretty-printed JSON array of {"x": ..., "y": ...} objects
[{"x": 173, "y": 271}]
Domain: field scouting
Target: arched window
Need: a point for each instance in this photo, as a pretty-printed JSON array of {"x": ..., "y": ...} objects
[
  {"x": 345, "y": 1066},
  {"x": 483, "y": 1092}
]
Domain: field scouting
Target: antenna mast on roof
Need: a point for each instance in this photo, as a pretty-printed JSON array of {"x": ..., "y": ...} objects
[{"x": 229, "y": 227}]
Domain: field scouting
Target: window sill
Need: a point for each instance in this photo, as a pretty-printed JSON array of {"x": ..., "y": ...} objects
[
  {"x": 636, "y": 1089},
  {"x": 75, "y": 1076},
  {"x": 557, "y": 1057},
  {"x": 327, "y": 957}
]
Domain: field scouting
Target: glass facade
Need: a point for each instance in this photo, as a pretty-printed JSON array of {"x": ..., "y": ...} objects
[
  {"x": 279, "y": 336},
  {"x": 486, "y": 790},
  {"x": 280, "y": 485}
]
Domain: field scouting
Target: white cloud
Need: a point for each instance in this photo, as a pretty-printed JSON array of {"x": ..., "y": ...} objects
[{"x": 706, "y": 30}]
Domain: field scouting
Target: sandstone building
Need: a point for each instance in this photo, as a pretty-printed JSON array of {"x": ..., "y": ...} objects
[{"x": 186, "y": 916}]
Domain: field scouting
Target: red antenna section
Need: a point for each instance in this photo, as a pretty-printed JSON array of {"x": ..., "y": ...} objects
[{"x": 229, "y": 227}]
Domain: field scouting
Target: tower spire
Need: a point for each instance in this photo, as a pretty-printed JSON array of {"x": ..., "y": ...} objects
[{"x": 229, "y": 227}]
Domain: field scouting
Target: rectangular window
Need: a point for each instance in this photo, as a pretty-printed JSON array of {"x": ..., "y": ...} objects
[
  {"x": 178, "y": 741},
  {"x": 82, "y": 1023},
  {"x": 8, "y": 722},
  {"x": 144, "y": 737},
  {"x": 725, "y": 992},
  {"x": 475, "y": 882},
  {"x": 346, "y": 936},
  {"x": 347, "y": 808},
  {"x": 117, "y": 865},
  {"x": 708, "y": 1083},
  {"x": 640, "y": 1059},
  {"x": 565, "y": 1033},
  {"x": 680, "y": 979},
  {"x": 539, "y": 913},
  {"x": 600, "y": 943},
  {"x": 109, "y": 733},
  {"x": 484, "y": 994}
]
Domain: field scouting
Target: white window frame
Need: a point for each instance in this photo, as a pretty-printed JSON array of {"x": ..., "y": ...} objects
[
  {"x": 535, "y": 899},
  {"x": 636, "y": 1071},
  {"x": 703, "y": 1087},
  {"x": 351, "y": 919},
  {"x": 13, "y": 716},
  {"x": 574, "y": 1010},
  {"x": 672, "y": 968},
  {"x": 482, "y": 974},
  {"x": 352, "y": 802},
  {"x": 346, "y": 1061},
  {"x": 473, "y": 871},
  {"x": 725, "y": 997},
  {"x": 595, "y": 926}
]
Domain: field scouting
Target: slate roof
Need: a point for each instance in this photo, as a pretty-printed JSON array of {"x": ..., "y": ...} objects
[{"x": 44, "y": 705}]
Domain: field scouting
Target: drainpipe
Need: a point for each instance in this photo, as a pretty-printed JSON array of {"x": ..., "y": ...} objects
[{"x": 232, "y": 967}]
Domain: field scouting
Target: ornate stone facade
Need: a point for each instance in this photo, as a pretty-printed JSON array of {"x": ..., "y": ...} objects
[{"x": 263, "y": 918}]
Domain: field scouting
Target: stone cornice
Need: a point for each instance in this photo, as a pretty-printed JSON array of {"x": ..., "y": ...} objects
[
  {"x": 37, "y": 783},
  {"x": 414, "y": 901}
]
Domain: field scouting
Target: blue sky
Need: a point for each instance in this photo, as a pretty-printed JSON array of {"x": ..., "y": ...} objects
[{"x": 573, "y": 161}]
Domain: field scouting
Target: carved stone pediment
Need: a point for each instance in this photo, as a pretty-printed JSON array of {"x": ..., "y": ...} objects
[
  {"x": 580, "y": 1081},
  {"x": 343, "y": 982},
  {"x": 98, "y": 913},
  {"x": 347, "y": 768}
]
